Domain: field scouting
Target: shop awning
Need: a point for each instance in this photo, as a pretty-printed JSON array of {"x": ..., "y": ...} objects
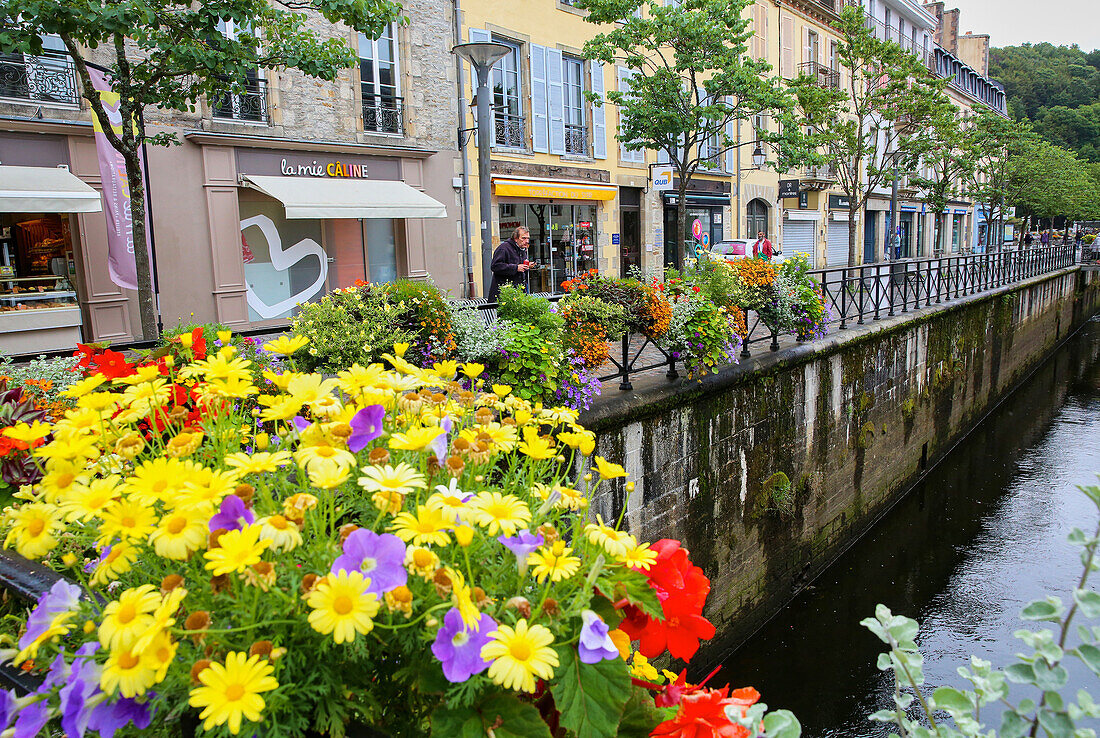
[
  {"x": 318, "y": 197},
  {"x": 552, "y": 189},
  {"x": 45, "y": 190}
]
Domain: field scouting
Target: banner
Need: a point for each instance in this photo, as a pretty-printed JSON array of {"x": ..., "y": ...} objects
[{"x": 116, "y": 190}]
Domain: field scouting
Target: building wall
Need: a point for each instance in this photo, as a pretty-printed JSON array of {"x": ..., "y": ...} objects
[{"x": 850, "y": 423}]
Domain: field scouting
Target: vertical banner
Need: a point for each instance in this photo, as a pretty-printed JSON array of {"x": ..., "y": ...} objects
[{"x": 116, "y": 190}]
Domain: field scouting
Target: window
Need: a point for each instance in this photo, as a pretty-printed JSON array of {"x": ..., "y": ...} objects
[
  {"x": 508, "y": 127},
  {"x": 710, "y": 151},
  {"x": 834, "y": 56},
  {"x": 886, "y": 22},
  {"x": 760, "y": 123},
  {"x": 48, "y": 78},
  {"x": 379, "y": 81},
  {"x": 576, "y": 133},
  {"x": 248, "y": 101},
  {"x": 636, "y": 157},
  {"x": 813, "y": 46}
]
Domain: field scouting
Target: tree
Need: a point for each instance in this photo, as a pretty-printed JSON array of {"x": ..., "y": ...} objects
[
  {"x": 1053, "y": 182},
  {"x": 170, "y": 53},
  {"x": 888, "y": 96},
  {"x": 692, "y": 79},
  {"x": 994, "y": 183},
  {"x": 942, "y": 158}
]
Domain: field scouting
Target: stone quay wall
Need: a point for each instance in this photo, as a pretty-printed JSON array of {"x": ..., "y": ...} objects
[{"x": 769, "y": 469}]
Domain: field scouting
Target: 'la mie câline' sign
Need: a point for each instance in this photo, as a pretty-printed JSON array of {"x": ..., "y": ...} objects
[{"x": 318, "y": 169}]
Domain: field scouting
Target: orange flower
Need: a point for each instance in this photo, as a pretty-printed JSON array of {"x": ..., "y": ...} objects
[{"x": 702, "y": 714}]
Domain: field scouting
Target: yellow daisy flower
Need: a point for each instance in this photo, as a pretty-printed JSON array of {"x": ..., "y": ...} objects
[
  {"x": 119, "y": 560},
  {"x": 126, "y": 519},
  {"x": 158, "y": 479},
  {"x": 86, "y": 501},
  {"x": 84, "y": 386},
  {"x": 553, "y": 561},
  {"x": 286, "y": 345},
  {"x": 231, "y": 692},
  {"x": 321, "y": 454},
  {"x": 415, "y": 439},
  {"x": 257, "y": 463},
  {"x": 428, "y": 527},
  {"x": 402, "y": 479},
  {"x": 126, "y": 672},
  {"x": 237, "y": 550},
  {"x": 126, "y": 619},
  {"x": 536, "y": 446},
  {"x": 614, "y": 542},
  {"x": 609, "y": 470},
  {"x": 421, "y": 561},
  {"x": 204, "y": 487},
  {"x": 519, "y": 655},
  {"x": 179, "y": 534},
  {"x": 283, "y": 534},
  {"x": 500, "y": 513},
  {"x": 640, "y": 557},
  {"x": 342, "y": 606},
  {"x": 34, "y": 530}
]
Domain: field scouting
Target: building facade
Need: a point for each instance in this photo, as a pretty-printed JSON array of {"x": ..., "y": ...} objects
[{"x": 273, "y": 197}]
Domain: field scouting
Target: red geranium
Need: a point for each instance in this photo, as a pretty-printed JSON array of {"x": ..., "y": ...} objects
[
  {"x": 702, "y": 714},
  {"x": 198, "y": 344},
  {"x": 112, "y": 364}
]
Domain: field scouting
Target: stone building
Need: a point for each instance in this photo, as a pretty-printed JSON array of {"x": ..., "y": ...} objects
[{"x": 274, "y": 196}]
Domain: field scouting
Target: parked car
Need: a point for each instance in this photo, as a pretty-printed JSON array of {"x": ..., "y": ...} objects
[{"x": 738, "y": 248}]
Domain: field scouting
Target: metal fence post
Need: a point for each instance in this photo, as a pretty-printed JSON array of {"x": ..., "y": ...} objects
[{"x": 625, "y": 385}]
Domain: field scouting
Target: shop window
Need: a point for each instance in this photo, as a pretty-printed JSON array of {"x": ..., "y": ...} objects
[
  {"x": 381, "y": 249},
  {"x": 248, "y": 100},
  {"x": 508, "y": 123},
  {"x": 563, "y": 240},
  {"x": 576, "y": 132},
  {"x": 47, "y": 78},
  {"x": 379, "y": 77}
]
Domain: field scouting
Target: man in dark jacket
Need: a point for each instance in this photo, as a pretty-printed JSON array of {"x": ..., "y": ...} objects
[{"x": 510, "y": 262}]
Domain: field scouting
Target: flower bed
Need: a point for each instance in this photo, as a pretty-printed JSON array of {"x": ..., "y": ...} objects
[{"x": 385, "y": 547}]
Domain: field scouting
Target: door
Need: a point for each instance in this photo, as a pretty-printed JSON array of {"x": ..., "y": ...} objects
[
  {"x": 836, "y": 243},
  {"x": 869, "y": 237},
  {"x": 800, "y": 237},
  {"x": 630, "y": 241},
  {"x": 756, "y": 219},
  {"x": 905, "y": 221}
]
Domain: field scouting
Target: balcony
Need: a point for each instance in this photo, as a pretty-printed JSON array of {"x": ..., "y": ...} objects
[
  {"x": 383, "y": 114},
  {"x": 576, "y": 139},
  {"x": 509, "y": 130},
  {"x": 818, "y": 178},
  {"x": 48, "y": 79},
  {"x": 822, "y": 75},
  {"x": 249, "y": 105}
]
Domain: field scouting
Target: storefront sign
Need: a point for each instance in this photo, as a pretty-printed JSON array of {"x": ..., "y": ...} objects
[
  {"x": 552, "y": 191},
  {"x": 318, "y": 169},
  {"x": 789, "y": 187},
  {"x": 838, "y": 202},
  {"x": 662, "y": 178},
  {"x": 614, "y": 239}
]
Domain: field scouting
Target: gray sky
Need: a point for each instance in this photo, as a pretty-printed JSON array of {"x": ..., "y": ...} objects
[{"x": 1013, "y": 22}]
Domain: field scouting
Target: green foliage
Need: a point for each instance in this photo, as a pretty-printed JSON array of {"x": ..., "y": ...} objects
[
  {"x": 866, "y": 435},
  {"x": 42, "y": 379},
  {"x": 1040, "y": 668},
  {"x": 476, "y": 341},
  {"x": 347, "y": 327},
  {"x": 700, "y": 334},
  {"x": 502, "y": 715},
  {"x": 778, "y": 494},
  {"x": 517, "y": 306},
  {"x": 579, "y": 308},
  {"x": 590, "y": 697}
]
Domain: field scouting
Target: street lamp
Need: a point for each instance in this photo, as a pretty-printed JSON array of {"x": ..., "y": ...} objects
[
  {"x": 482, "y": 56},
  {"x": 759, "y": 158}
]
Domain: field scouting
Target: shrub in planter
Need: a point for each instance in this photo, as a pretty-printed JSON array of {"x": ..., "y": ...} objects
[
  {"x": 532, "y": 357},
  {"x": 647, "y": 309},
  {"x": 701, "y": 334},
  {"x": 380, "y": 548},
  {"x": 346, "y": 327},
  {"x": 43, "y": 381},
  {"x": 589, "y": 323}
]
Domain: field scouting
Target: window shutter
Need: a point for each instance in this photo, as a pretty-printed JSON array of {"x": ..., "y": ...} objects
[
  {"x": 599, "y": 113},
  {"x": 555, "y": 93},
  {"x": 731, "y": 141},
  {"x": 760, "y": 22},
  {"x": 807, "y": 46},
  {"x": 540, "y": 131},
  {"x": 786, "y": 58}
]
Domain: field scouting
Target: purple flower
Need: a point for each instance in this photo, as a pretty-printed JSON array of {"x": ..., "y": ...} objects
[
  {"x": 300, "y": 423},
  {"x": 83, "y": 685},
  {"x": 231, "y": 513},
  {"x": 459, "y": 650},
  {"x": 32, "y": 719},
  {"x": 107, "y": 717},
  {"x": 7, "y": 708},
  {"x": 61, "y": 597},
  {"x": 379, "y": 557},
  {"x": 595, "y": 644},
  {"x": 439, "y": 443},
  {"x": 366, "y": 425},
  {"x": 522, "y": 544}
]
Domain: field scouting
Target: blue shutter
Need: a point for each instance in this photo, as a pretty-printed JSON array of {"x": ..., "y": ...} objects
[
  {"x": 731, "y": 141},
  {"x": 540, "y": 133},
  {"x": 599, "y": 114},
  {"x": 556, "y": 101}
]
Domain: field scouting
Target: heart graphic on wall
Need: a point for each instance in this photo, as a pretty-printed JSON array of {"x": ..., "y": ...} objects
[{"x": 282, "y": 260}]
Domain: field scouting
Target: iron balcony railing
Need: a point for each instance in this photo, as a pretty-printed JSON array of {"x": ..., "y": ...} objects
[
  {"x": 509, "y": 129},
  {"x": 383, "y": 114},
  {"x": 576, "y": 139},
  {"x": 49, "y": 78},
  {"x": 822, "y": 75},
  {"x": 250, "y": 104},
  {"x": 859, "y": 295}
]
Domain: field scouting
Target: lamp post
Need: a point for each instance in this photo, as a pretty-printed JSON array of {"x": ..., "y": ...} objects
[{"x": 482, "y": 56}]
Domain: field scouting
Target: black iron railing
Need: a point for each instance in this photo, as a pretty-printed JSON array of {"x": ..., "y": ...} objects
[
  {"x": 250, "y": 104},
  {"x": 509, "y": 130},
  {"x": 856, "y": 296},
  {"x": 383, "y": 114},
  {"x": 49, "y": 78},
  {"x": 576, "y": 139},
  {"x": 822, "y": 75}
]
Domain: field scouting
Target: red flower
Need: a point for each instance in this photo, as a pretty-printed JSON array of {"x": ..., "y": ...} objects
[
  {"x": 702, "y": 714},
  {"x": 198, "y": 344},
  {"x": 695, "y": 288},
  {"x": 86, "y": 353},
  {"x": 113, "y": 365},
  {"x": 6, "y": 445}
]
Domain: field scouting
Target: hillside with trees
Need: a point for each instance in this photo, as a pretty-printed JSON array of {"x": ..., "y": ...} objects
[{"x": 1056, "y": 89}]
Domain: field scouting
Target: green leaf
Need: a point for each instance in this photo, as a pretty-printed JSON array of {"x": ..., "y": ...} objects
[
  {"x": 590, "y": 697},
  {"x": 1020, "y": 674},
  {"x": 782, "y": 724},
  {"x": 1048, "y": 609},
  {"x": 503, "y": 714},
  {"x": 952, "y": 700},
  {"x": 640, "y": 716},
  {"x": 1089, "y": 602},
  {"x": 634, "y": 588},
  {"x": 1090, "y": 654},
  {"x": 1013, "y": 725},
  {"x": 1056, "y": 724},
  {"x": 1047, "y": 678}
]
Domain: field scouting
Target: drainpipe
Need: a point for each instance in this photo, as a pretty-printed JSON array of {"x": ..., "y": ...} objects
[
  {"x": 467, "y": 258},
  {"x": 737, "y": 184}
]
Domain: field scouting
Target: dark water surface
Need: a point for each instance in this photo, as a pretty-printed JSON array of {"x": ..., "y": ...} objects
[{"x": 982, "y": 534}]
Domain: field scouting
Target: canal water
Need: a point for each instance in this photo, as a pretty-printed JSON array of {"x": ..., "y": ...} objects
[{"x": 980, "y": 536}]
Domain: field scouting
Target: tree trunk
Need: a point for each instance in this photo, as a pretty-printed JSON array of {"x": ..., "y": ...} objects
[
  {"x": 146, "y": 301},
  {"x": 681, "y": 222},
  {"x": 854, "y": 222}
]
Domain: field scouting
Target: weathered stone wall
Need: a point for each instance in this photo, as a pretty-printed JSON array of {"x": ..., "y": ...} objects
[{"x": 768, "y": 470}]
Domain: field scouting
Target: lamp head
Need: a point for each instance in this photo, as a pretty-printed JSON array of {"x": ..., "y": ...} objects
[
  {"x": 759, "y": 159},
  {"x": 481, "y": 54}
]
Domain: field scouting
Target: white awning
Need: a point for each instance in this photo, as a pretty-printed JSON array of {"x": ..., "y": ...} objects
[
  {"x": 45, "y": 190},
  {"x": 320, "y": 197}
]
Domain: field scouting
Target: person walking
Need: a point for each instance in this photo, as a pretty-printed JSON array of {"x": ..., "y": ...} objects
[
  {"x": 1029, "y": 238},
  {"x": 510, "y": 264},
  {"x": 1044, "y": 239},
  {"x": 762, "y": 247}
]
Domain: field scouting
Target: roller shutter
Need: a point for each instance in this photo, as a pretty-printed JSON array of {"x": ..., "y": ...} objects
[
  {"x": 798, "y": 238},
  {"x": 836, "y": 243}
]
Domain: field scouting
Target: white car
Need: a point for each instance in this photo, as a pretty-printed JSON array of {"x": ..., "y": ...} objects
[{"x": 738, "y": 248}]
